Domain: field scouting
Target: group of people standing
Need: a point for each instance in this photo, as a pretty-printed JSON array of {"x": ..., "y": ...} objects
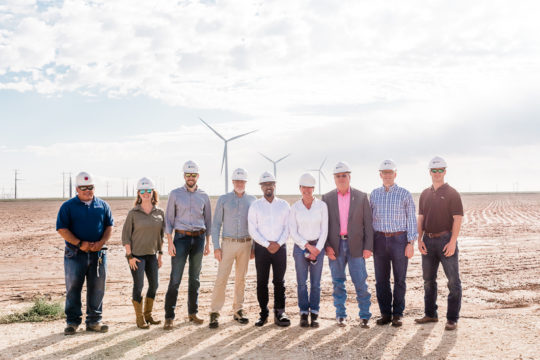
[{"x": 345, "y": 225}]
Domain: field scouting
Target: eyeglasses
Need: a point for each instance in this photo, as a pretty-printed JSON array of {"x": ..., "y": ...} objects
[
  {"x": 190, "y": 175},
  {"x": 340, "y": 175},
  {"x": 88, "y": 187},
  {"x": 437, "y": 171},
  {"x": 146, "y": 191}
]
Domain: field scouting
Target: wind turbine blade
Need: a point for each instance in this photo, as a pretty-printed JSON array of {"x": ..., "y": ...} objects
[
  {"x": 236, "y": 137},
  {"x": 211, "y": 128},
  {"x": 324, "y": 177},
  {"x": 282, "y": 158},
  {"x": 322, "y": 163},
  {"x": 224, "y": 155},
  {"x": 266, "y": 157}
]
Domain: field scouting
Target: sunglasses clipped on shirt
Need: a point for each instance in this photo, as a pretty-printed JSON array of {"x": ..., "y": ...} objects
[
  {"x": 146, "y": 191},
  {"x": 437, "y": 171},
  {"x": 88, "y": 187}
]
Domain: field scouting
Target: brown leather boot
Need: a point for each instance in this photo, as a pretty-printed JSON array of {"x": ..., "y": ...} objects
[
  {"x": 194, "y": 318},
  {"x": 141, "y": 324},
  {"x": 168, "y": 324},
  {"x": 148, "y": 305}
]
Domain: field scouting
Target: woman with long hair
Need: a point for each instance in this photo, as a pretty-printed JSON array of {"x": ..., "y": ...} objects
[{"x": 142, "y": 236}]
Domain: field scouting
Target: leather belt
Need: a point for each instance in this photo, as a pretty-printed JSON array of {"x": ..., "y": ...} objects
[
  {"x": 240, "y": 240},
  {"x": 190, "y": 233},
  {"x": 390, "y": 234},
  {"x": 344, "y": 237},
  {"x": 435, "y": 235}
]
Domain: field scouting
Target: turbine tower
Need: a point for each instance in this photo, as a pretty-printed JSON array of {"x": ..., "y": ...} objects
[
  {"x": 225, "y": 161},
  {"x": 274, "y": 162},
  {"x": 319, "y": 170}
]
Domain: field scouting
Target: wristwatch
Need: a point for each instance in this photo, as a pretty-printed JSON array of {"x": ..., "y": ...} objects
[
  {"x": 160, "y": 252},
  {"x": 79, "y": 244},
  {"x": 129, "y": 256}
]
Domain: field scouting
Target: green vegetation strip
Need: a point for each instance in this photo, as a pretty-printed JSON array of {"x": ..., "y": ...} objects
[{"x": 40, "y": 311}]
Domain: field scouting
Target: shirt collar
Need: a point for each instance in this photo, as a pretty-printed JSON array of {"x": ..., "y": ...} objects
[
  {"x": 441, "y": 187},
  {"x": 82, "y": 202},
  {"x": 138, "y": 207},
  {"x": 391, "y": 188},
  {"x": 347, "y": 193}
]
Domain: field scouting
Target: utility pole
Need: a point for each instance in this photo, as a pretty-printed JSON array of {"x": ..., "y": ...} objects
[
  {"x": 17, "y": 179},
  {"x": 70, "y": 186},
  {"x": 63, "y": 185}
]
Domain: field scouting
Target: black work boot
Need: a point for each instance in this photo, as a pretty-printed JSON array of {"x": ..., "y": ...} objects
[
  {"x": 304, "y": 320},
  {"x": 214, "y": 323},
  {"x": 314, "y": 322}
]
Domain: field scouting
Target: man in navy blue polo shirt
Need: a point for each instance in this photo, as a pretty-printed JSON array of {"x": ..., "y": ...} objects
[{"x": 85, "y": 222}]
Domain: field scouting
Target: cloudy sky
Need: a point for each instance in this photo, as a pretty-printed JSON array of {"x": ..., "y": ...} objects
[{"x": 116, "y": 88}]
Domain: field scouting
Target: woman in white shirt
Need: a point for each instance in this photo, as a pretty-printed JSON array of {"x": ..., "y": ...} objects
[{"x": 308, "y": 226}]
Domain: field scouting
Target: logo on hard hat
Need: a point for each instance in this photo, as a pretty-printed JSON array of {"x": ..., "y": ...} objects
[{"x": 86, "y": 178}]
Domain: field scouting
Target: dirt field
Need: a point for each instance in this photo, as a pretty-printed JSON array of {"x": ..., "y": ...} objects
[{"x": 500, "y": 318}]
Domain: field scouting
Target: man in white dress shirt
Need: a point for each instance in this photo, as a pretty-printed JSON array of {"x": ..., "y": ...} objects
[
  {"x": 268, "y": 227},
  {"x": 308, "y": 226}
]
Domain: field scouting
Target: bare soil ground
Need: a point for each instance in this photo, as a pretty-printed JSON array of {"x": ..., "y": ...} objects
[{"x": 500, "y": 269}]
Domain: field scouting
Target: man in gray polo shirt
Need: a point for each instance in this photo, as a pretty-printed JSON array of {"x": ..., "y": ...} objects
[
  {"x": 231, "y": 215},
  {"x": 189, "y": 215}
]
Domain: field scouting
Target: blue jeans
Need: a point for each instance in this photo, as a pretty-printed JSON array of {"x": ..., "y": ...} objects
[
  {"x": 79, "y": 266},
  {"x": 308, "y": 303},
  {"x": 148, "y": 264},
  {"x": 430, "y": 266},
  {"x": 389, "y": 254},
  {"x": 187, "y": 247},
  {"x": 357, "y": 270}
]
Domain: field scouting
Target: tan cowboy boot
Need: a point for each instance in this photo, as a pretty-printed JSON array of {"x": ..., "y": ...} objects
[
  {"x": 141, "y": 324},
  {"x": 148, "y": 305}
]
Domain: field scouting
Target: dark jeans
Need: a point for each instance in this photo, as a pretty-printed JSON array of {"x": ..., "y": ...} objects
[
  {"x": 430, "y": 266},
  {"x": 187, "y": 247},
  {"x": 79, "y": 266},
  {"x": 148, "y": 264},
  {"x": 263, "y": 261},
  {"x": 389, "y": 254}
]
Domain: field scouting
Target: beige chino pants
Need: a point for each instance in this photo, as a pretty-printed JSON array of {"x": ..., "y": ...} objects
[{"x": 239, "y": 253}]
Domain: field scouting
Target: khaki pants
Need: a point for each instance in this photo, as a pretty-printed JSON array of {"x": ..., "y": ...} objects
[{"x": 231, "y": 251}]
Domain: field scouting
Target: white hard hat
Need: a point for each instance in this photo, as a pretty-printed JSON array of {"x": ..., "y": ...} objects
[
  {"x": 307, "y": 180},
  {"x": 388, "y": 165},
  {"x": 266, "y": 177},
  {"x": 145, "y": 184},
  {"x": 84, "y": 179},
  {"x": 190, "y": 167},
  {"x": 437, "y": 163},
  {"x": 342, "y": 167},
  {"x": 240, "y": 174}
]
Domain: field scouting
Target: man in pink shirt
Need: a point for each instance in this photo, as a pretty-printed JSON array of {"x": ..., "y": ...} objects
[{"x": 349, "y": 242}]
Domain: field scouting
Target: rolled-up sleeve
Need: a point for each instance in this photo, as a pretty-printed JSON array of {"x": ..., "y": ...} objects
[
  {"x": 127, "y": 229},
  {"x": 412, "y": 228},
  {"x": 170, "y": 213},
  {"x": 207, "y": 214},
  {"x": 217, "y": 222}
]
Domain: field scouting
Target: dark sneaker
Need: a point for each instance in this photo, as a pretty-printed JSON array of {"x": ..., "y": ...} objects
[
  {"x": 341, "y": 322},
  {"x": 450, "y": 325},
  {"x": 304, "y": 320},
  {"x": 396, "y": 321},
  {"x": 425, "y": 320},
  {"x": 314, "y": 322},
  {"x": 239, "y": 316},
  {"x": 70, "y": 329},
  {"x": 99, "y": 327},
  {"x": 384, "y": 320},
  {"x": 364, "y": 323},
  {"x": 282, "y": 320},
  {"x": 262, "y": 320},
  {"x": 214, "y": 323}
]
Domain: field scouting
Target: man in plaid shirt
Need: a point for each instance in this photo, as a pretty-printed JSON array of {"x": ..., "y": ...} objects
[{"x": 394, "y": 223}]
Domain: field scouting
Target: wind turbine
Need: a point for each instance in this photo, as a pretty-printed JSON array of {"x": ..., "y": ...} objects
[
  {"x": 319, "y": 170},
  {"x": 274, "y": 162},
  {"x": 225, "y": 161}
]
